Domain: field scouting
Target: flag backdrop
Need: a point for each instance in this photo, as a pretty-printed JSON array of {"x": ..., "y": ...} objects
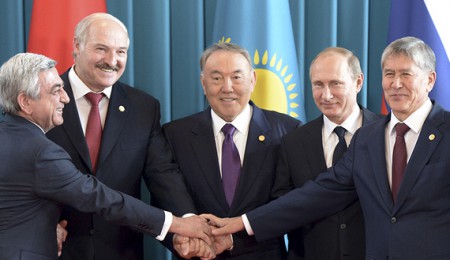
[
  {"x": 429, "y": 21},
  {"x": 52, "y": 26},
  {"x": 264, "y": 28}
]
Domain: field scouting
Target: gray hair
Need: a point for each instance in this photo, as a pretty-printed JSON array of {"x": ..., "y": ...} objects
[
  {"x": 224, "y": 46},
  {"x": 82, "y": 28},
  {"x": 415, "y": 49},
  {"x": 20, "y": 74},
  {"x": 352, "y": 60}
]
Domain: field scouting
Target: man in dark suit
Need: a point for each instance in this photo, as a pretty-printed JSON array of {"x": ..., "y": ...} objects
[
  {"x": 37, "y": 176},
  {"x": 132, "y": 145},
  {"x": 406, "y": 217},
  {"x": 336, "y": 79},
  {"x": 228, "y": 80}
]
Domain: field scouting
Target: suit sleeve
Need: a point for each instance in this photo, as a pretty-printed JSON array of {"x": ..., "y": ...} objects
[
  {"x": 56, "y": 178},
  {"x": 162, "y": 175}
]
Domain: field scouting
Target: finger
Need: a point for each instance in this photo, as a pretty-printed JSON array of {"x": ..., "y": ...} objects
[{"x": 63, "y": 223}]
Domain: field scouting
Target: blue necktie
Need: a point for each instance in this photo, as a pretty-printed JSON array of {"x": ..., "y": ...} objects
[
  {"x": 341, "y": 146},
  {"x": 231, "y": 163}
]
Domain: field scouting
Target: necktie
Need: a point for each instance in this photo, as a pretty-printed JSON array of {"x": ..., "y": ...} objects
[
  {"x": 231, "y": 163},
  {"x": 398, "y": 158},
  {"x": 341, "y": 146},
  {"x": 94, "y": 128}
]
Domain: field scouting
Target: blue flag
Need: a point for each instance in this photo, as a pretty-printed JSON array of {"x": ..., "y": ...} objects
[
  {"x": 428, "y": 20},
  {"x": 264, "y": 28}
]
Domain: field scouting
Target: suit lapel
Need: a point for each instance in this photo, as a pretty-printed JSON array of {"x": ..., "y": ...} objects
[
  {"x": 377, "y": 154},
  {"x": 316, "y": 153},
  {"x": 118, "y": 111},
  {"x": 204, "y": 148},
  {"x": 423, "y": 150},
  {"x": 72, "y": 125},
  {"x": 255, "y": 153}
]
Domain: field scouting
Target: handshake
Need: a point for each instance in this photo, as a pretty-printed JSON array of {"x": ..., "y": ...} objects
[{"x": 218, "y": 238}]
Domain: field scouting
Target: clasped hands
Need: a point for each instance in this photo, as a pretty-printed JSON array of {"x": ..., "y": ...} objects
[{"x": 221, "y": 240}]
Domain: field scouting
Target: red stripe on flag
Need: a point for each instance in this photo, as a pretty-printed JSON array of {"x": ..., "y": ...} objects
[
  {"x": 52, "y": 27},
  {"x": 384, "y": 108}
]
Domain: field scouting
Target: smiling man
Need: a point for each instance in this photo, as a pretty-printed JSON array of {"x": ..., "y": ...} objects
[
  {"x": 228, "y": 79},
  {"x": 125, "y": 147}
]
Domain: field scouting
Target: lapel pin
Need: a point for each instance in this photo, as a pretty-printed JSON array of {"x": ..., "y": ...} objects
[
  {"x": 121, "y": 108},
  {"x": 431, "y": 137},
  {"x": 261, "y": 138}
]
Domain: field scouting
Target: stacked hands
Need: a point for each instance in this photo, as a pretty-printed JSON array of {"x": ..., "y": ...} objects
[{"x": 219, "y": 238}]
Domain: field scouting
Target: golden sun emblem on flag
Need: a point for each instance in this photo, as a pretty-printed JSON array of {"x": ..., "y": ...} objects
[{"x": 275, "y": 89}]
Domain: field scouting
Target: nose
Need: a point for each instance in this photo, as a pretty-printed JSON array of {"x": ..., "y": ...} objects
[
  {"x": 326, "y": 94},
  {"x": 64, "y": 97},
  {"x": 111, "y": 58},
  {"x": 397, "y": 82},
  {"x": 227, "y": 85}
]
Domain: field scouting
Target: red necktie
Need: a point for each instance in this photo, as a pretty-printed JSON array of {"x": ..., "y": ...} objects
[
  {"x": 398, "y": 158},
  {"x": 231, "y": 163},
  {"x": 94, "y": 128}
]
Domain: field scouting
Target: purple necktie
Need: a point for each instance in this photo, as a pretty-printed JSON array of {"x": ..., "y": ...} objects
[
  {"x": 94, "y": 128},
  {"x": 398, "y": 158},
  {"x": 231, "y": 163}
]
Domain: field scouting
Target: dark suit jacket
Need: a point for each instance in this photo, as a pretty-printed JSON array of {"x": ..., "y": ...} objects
[
  {"x": 340, "y": 236},
  {"x": 132, "y": 148},
  {"x": 36, "y": 177},
  {"x": 194, "y": 148},
  {"x": 416, "y": 227}
]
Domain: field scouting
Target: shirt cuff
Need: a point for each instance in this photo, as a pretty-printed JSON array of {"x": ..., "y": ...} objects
[
  {"x": 247, "y": 225},
  {"x": 167, "y": 223}
]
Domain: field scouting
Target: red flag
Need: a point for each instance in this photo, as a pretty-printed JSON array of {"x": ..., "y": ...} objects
[
  {"x": 52, "y": 26},
  {"x": 384, "y": 107}
]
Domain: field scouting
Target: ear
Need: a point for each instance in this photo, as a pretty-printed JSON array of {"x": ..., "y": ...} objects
[
  {"x": 76, "y": 46},
  {"x": 24, "y": 103},
  {"x": 202, "y": 80},
  {"x": 431, "y": 80},
  {"x": 359, "y": 82},
  {"x": 253, "y": 79}
]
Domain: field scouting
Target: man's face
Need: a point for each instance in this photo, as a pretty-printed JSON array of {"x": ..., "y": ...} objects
[
  {"x": 101, "y": 61},
  {"x": 228, "y": 81},
  {"x": 333, "y": 87},
  {"x": 405, "y": 85},
  {"x": 47, "y": 111}
]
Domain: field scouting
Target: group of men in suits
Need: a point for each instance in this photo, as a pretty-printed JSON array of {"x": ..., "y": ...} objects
[
  {"x": 181, "y": 162},
  {"x": 411, "y": 222}
]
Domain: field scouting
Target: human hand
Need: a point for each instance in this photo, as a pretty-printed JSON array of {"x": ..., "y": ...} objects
[
  {"x": 224, "y": 225},
  {"x": 190, "y": 247},
  {"x": 61, "y": 235},
  {"x": 192, "y": 227},
  {"x": 222, "y": 242}
]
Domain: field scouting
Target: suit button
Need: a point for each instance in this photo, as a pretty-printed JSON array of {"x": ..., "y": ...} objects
[
  {"x": 343, "y": 226},
  {"x": 92, "y": 232},
  {"x": 393, "y": 220}
]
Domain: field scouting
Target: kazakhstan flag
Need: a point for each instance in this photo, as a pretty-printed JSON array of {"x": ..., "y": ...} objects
[{"x": 264, "y": 28}]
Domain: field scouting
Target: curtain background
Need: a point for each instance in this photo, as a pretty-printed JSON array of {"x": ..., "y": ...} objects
[{"x": 168, "y": 36}]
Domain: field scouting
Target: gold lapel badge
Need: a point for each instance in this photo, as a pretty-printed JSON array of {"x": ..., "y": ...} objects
[
  {"x": 261, "y": 138},
  {"x": 431, "y": 137},
  {"x": 121, "y": 108}
]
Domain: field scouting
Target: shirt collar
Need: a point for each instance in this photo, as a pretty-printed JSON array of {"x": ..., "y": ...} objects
[
  {"x": 415, "y": 120},
  {"x": 80, "y": 89},
  {"x": 241, "y": 122},
  {"x": 351, "y": 124}
]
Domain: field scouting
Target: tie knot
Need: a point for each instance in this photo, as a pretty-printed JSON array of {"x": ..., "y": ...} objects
[
  {"x": 340, "y": 131},
  {"x": 228, "y": 129},
  {"x": 94, "y": 98},
  {"x": 401, "y": 129}
]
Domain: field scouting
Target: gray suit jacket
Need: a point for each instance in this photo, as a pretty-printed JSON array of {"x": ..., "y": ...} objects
[{"x": 36, "y": 178}]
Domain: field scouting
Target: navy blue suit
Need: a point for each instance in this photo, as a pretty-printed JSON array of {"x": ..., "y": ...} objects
[
  {"x": 36, "y": 178},
  {"x": 194, "y": 148},
  {"x": 340, "y": 236},
  {"x": 416, "y": 227},
  {"x": 133, "y": 148}
]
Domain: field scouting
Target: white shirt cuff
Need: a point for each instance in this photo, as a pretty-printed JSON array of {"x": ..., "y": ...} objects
[
  {"x": 167, "y": 223},
  {"x": 247, "y": 225}
]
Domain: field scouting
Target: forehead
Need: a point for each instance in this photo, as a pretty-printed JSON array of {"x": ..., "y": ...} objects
[
  {"x": 329, "y": 64},
  {"x": 226, "y": 60},
  {"x": 49, "y": 78},
  {"x": 398, "y": 61},
  {"x": 107, "y": 32}
]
